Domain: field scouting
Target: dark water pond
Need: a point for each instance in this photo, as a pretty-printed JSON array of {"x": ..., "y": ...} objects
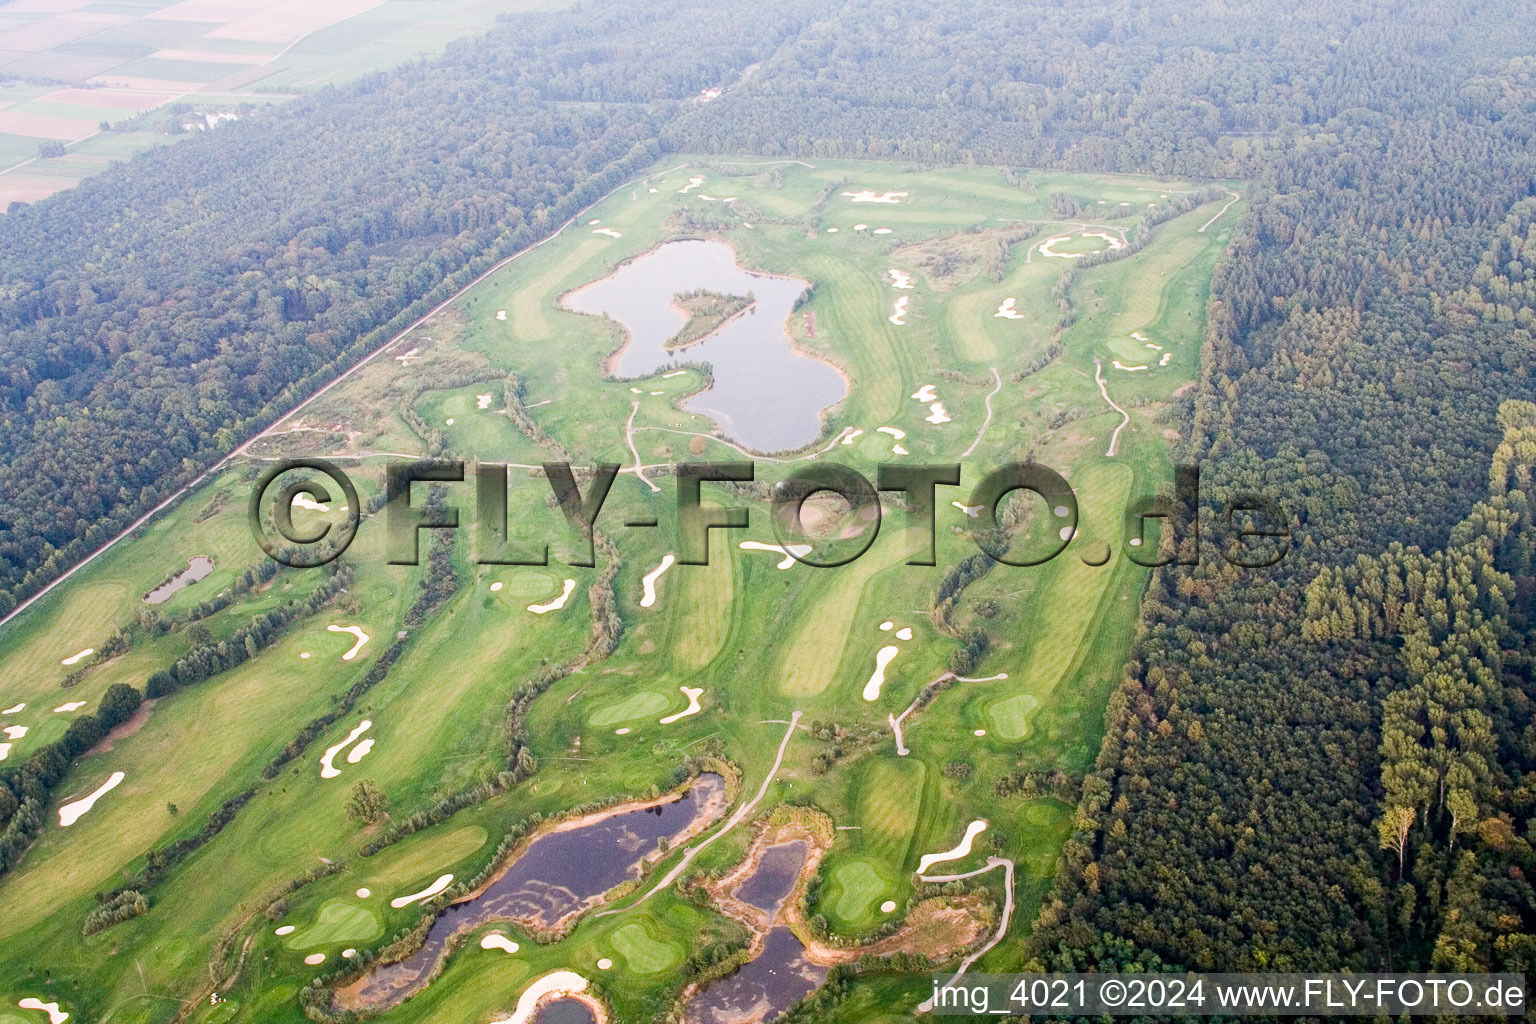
[
  {"x": 565, "y": 1011},
  {"x": 780, "y": 975},
  {"x": 197, "y": 569},
  {"x": 560, "y": 872},
  {"x": 765, "y": 395}
]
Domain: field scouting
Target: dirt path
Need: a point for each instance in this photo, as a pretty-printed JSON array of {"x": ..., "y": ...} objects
[
  {"x": 1235, "y": 198},
  {"x": 1114, "y": 439},
  {"x": 988, "y": 421},
  {"x": 629, "y": 437},
  {"x": 736, "y": 819},
  {"x": 1002, "y": 928}
]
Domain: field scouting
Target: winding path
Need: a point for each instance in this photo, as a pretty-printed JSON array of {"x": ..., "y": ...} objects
[
  {"x": 1235, "y": 198},
  {"x": 988, "y": 421},
  {"x": 1002, "y": 927},
  {"x": 629, "y": 435},
  {"x": 735, "y": 819},
  {"x": 1114, "y": 439}
]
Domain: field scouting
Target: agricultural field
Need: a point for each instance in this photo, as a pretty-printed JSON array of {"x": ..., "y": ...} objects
[
  {"x": 892, "y": 717},
  {"x": 67, "y": 68}
]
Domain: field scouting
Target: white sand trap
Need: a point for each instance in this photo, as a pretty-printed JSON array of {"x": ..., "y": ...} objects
[
  {"x": 1154, "y": 347},
  {"x": 1067, "y": 533},
  {"x": 1164, "y": 361},
  {"x": 1101, "y": 202},
  {"x": 883, "y": 658},
  {"x": 555, "y": 983},
  {"x": 851, "y": 435},
  {"x": 974, "y": 511},
  {"x": 653, "y": 190},
  {"x": 860, "y": 227},
  {"x": 362, "y": 638},
  {"x": 501, "y": 314},
  {"x": 1135, "y": 542},
  {"x": 286, "y": 929},
  {"x": 55, "y": 1015},
  {"x": 1129, "y": 369},
  {"x": 1007, "y": 311},
  {"x": 674, "y": 373},
  {"x": 868, "y": 196},
  {"x": 621, "y": 732},
  {"x": 887, "y": 906},
  {"x": 895, "y": 432},
  {"x": 496, "y": 940},
  {"x": 693, "y": 183},
  {"x": 348, "y": 954},
  {"x": 791, "y": 554},
  {"x": 831, "y": 231},
  {"x": 604, "y": 964},
  {"x": 636, "y": 391},
  {"x": 972, "y": 830},
  {"x": 1113, "y": 240},
  {"x": 315, "y": 959},
  {"x": 593, "y": 221},
  {"x": 449, "y": 421},
  {"x": 495, "y": 587},
  {"x": 363, "y": 894},
  {"x": 692, "y": 693},
  {"x": 401, "y": 359},
  {"x": 731, "y": 199},
  {"x": 882, "y": 231},
  {"x": 72, "y": 812},
  {"x": 553, "y": 606},
  {"x": 900, "y": 278},
  {"x": 1045, "y": 248},
  {"x": 1125, "y": 204},
  {"x": 658, "y": 392},
  {"x": 482, "y": 401},
  {"x": 707, "y": 199},
  {"x": 73, "y": 705},
  {"x": 607, "y": 231},
  {"x": 304, "y": 655},
  {"x": 979, "y": 732},
  {"x": 897, "y": 449},
  {"x": 887, "y": 626},
  {"x": 1139, "y": 336},
  {"x": 359, "y": 752},
  {"x": 73, "y": 658},
  {"x": 925, "y": 393},
  {"x": 302, "y": 500},
  {"x": 5, "y": 751},
  {"x": 14, "y": 709},
  {"x": 904, "y": 633},
  {"x": 329, "y": 770},
  {"x": 442, "y": 882},
  {"x": 14, "y": 732},
  {"x": 937, "y": 414},
  {"x": 648, "y": 581}
]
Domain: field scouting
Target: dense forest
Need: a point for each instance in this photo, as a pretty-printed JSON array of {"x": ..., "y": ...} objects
[{"x": 1323, "y": 764}]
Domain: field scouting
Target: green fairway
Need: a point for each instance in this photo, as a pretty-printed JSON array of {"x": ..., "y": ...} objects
[
  {"x": 1010, "y": 716},
  {"x": 338, "y": 921},
  {"x": 638, "y": 705}
]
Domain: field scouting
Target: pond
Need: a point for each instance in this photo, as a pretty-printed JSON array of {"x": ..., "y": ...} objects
[
  {"x": 560, "y": 873},
  {"x": 765, "y": 395},
  {"x": 197, "y": 569},
  {"x": 565, "y": 1011}
]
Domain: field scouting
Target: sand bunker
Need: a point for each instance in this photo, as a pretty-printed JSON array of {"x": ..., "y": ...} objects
[
  {"x": 831, "y": 231},
  {"x": 1045, "y": 248},
  {"x": 900, "y": 278},
  {"x": 925, "y": 393},
  {"x": 887, "y": 626},
  {"x": 883, "y": 658},
  {"x": 72, "y": 812},
  {"x": 792, "y": 553},
  {"x": 1113, "y": 240},
  {"x": 974, "y": 511},
  {"x": 329, "y": 770},
  {"x": 304, "y": 501},
  {"x": 495, "y": 587},
  {"x": 860, "y": 227},
  {"x": 936, "y": 413},
  {"x": 692, "y": 693},
  {"x": 73, "y": 705},
  {"x": 1139, "y": 336},
  {"x": 1007, "y": 310},
  {"x": 607, "y": 231},
  {"x": 55, "y": 1015},
  {"x": 362, "y": 638},
  {"x": 674, "y": 373},
  {"x": 593, "y": 221},
  {"x": 972, "y": 830},
  {"x": 895, "y": 432},
  {"x": 1132, "y": 369},
  {"x": 693, "y": 183},
  {"x": 286, "y": 929},
  {"x": 868, "y": 196},
  {"x": 449, "y": 421},
  {"x": 348, "y": 954},
  {"x": 482, "y": 401},
  {"x": 1067, "y": 533},
  {"x": 553, "y": 606},
  {"x": 904, "y": 633},
  {"x": 851, "y": 435},
  {"x": 407, "y": 355},
  {"x": 979, "y": 732},
  {"x": 897, "y": 449},
  {"x": 442, "y": 882},
  {"x": 315, "y": 959},
  {"x": 496, "y": 940},
  {"x": 648, "y": 581},
  {"x": 604, "y": 963},
  {"x": 882, "y": 231},
  {"x": 14, "y": 732},
  {"x": 1164, "y": 361},
  {"x": 501, "y": 314},
  {"x": 899, "y": 312},
  {"x": 359, "y": 752},
  {"x": 363, "y": 894},
  {"x": 14, "y": 709},
  {"x": 5, "y": 751},
  {"x": 621, "y": 732},
  {"x": 556, "y": 983},
  {"x": 887, "y": 906},
  {"x": 73, "y": 658}
]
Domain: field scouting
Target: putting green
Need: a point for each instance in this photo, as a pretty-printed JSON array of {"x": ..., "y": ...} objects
[
  {"x": 857, "y": 889},
  {"x": 643, "y": 952},
  {"x": 1010, "y": 716},
  {"x": 1044, "y": 813},
  {"x": 527, "y": 584},
  {"x": 339, "y": 920},
  {"x": 636, "y": 705}
]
